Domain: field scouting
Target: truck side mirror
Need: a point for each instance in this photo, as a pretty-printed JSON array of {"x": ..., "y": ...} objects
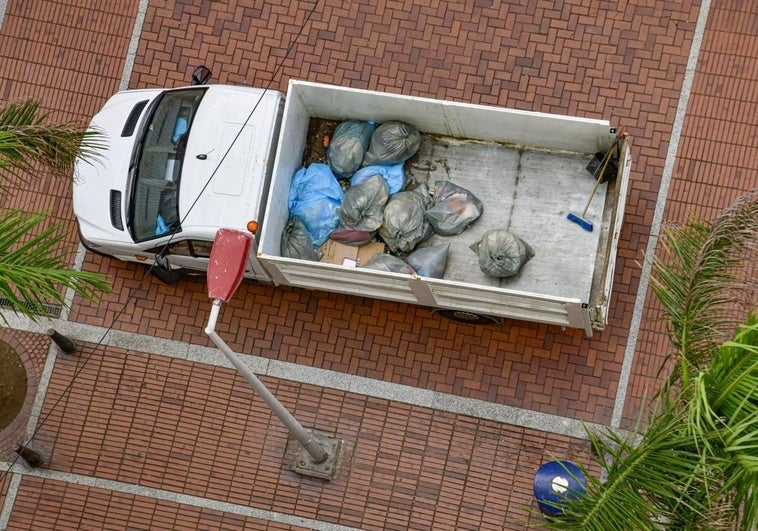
[
  {"x": 201, "y": 75},
  {"x": 162, "y": 270}
]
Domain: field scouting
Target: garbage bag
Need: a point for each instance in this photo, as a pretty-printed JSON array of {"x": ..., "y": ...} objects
[
  {"x": 363, "y": 204},
  {"x": 296, "y": 242},
  {"x": 392, "y": 142},
  {"x": 314, "y": 197},
  {"x": 350, "y": 236},
  {"x": 405, "y": 225},
  {"x": 392, "y": 173},
  {"x": 429, "y": 261},
  {"x": 387, "y": 262},
  {"x": 501, "y": 253},
  {"x": 348, "y": 145},
  {"x": 454, "y": 209}
]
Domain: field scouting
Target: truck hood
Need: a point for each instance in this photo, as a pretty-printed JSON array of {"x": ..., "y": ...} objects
[
  {"x": 224, "y": 175},
  {"x": 96, "y": 177}
]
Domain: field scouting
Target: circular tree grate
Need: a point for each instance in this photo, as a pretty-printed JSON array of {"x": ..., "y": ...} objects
[{"x": 13, "y": 384}]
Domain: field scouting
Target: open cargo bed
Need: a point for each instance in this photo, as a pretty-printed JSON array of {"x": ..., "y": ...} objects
[{"x": 528, "y": 169}]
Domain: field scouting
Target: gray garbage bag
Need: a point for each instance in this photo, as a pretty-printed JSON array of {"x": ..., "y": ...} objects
[
  {"x": 363, "y": 204},
  {"x": 429, "y": 261},
  {"x": 405, "y": 225},
  {"x": 501, "y": 253},
  {"x": 454, "y": 209},
  {"x": 392, "y": 142},
  {"x": 296, "y": 242},
  {"x": 387, "y": 262},
  {"x": 348, "y": 146}
]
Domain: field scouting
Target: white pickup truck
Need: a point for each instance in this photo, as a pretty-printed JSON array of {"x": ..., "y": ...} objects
[{"x": 184, "y": 162}]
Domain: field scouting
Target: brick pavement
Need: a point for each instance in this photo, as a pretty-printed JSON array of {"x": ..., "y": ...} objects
[
  {"x": 718, "y": 157},
  {"x": 577, "y": 59},
  {"x": 196, "y": 430},
  {"x": 50, "y": 504},
  {"x": 621, "y": 62}
]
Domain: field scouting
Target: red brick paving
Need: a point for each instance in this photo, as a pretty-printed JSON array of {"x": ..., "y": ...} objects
[
  {"x": 611, "y": 75},
  {"x": 623, "y": 62},
  {"x": 50, "y": 504},
  {"x": 718, "y": 155},
  {"x": 577, "y": 59},
  {"x": 525, "y": 365},
  {"x": 197, "y": 430}
]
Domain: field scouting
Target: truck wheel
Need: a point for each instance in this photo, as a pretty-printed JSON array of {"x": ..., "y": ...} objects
[{"x": 462, "y": 316}]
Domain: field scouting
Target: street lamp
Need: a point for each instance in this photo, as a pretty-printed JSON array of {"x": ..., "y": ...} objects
[{"x": 226, "y": 268}]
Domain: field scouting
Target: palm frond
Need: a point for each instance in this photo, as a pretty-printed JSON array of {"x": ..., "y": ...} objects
[
  {"x": 698, "y": 281},
  {"x": 26, "y": 142},
  {"x": 653, "y": 483},
  {"x": 33, "y": 270},
  {"x": 734, "y": 399},
  {"x": 696, "y": 466}
]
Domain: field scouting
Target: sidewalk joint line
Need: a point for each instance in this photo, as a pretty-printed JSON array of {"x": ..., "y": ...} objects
[
  {"x": 304, "y": 374},
  {"x": 171, "y": 496},
  {"x": 660, "y": 206},
  {"x": 3, "y": 7},
  {"x": 131, "y": 53}
]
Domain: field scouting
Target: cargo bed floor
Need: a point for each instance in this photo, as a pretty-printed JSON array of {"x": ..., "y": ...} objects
[{"x": 528, "y": 192}]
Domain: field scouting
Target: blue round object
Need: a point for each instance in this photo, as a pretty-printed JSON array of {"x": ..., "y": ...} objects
[{"x": 555, "y": 483}]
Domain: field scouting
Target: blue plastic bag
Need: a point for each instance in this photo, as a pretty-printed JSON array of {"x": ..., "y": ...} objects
[
  {"x": 314, "y": 197},
  {"x": 160, "y": 226},
  {"x": 392, "y": 173}
]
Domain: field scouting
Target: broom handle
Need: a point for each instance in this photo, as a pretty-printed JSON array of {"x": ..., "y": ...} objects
[{"x": 602, "y": 171}]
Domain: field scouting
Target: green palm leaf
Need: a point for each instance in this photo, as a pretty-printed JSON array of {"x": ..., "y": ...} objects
[
  {"x": 657, "y": 482},
  {"x": 700, "y": 281},
  {"x": 26, "y": 142},
  {"x": 734, "y": 399},
  {"x": 696, "y": 465},
  {"x": 33, "y": 270}
]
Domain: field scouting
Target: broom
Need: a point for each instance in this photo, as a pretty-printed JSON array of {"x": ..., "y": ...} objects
[{"x": 581, "y": 220}]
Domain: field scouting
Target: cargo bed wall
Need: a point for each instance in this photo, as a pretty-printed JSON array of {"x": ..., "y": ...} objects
[{"x": 519, "y": 129}]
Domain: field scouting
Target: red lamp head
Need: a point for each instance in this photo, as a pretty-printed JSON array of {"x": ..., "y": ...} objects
[{"x": 226, "y": 267}]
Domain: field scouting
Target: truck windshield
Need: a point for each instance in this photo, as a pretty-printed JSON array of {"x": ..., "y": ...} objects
[{"x": 157, "y": 164}]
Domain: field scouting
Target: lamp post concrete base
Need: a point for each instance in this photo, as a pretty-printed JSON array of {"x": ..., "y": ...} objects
[{"x": 305, "y": 464}]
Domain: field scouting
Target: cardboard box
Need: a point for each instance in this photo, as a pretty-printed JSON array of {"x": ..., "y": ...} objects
[{"x": 349, "y": 255}]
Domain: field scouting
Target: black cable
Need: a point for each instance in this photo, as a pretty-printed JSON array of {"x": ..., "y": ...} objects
[{"x": 164, "y": 248}]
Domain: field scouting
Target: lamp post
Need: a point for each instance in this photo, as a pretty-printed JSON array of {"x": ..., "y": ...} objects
[{"x": 226, "y": 268}]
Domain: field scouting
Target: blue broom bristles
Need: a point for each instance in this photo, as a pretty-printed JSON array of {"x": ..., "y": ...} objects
[{"x": 583, "y": 223}]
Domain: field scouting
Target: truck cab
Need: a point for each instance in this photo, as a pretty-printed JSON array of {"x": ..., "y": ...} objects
[{"x": 179, "y": 163}]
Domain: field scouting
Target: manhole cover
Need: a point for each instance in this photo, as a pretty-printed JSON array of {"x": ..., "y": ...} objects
[{"x": 12, "y": 384}]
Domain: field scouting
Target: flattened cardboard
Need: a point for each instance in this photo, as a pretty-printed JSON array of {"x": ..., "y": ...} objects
[
  {"x": 366, "y": 252},
  {"x": 349, "y": 255}
]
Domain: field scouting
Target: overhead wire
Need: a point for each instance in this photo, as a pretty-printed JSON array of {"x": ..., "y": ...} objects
[{"x": 164, "y": 247}]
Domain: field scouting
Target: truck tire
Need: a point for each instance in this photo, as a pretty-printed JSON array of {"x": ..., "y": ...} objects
[{"x": 462, "y": 316}]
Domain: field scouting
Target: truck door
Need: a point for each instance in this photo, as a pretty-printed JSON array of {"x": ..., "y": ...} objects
[
  {"x": 193, "y": 254},
  {"x": 189, "y": 254}
]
